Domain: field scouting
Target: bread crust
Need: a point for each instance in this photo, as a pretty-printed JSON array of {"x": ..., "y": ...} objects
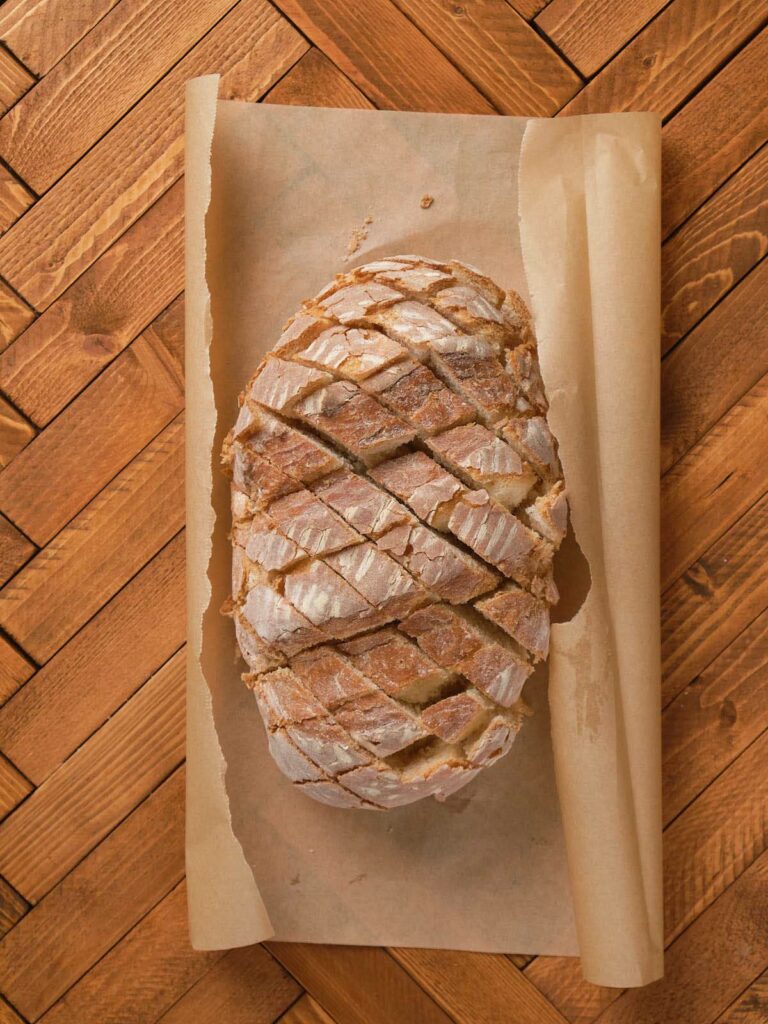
[{"x": 397, "y": 500}]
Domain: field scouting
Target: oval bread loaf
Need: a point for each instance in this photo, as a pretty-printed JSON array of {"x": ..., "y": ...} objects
[{"x": 397, "y": 500}]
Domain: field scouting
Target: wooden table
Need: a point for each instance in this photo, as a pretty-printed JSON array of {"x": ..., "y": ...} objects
[{"x": 92, "y": 899}]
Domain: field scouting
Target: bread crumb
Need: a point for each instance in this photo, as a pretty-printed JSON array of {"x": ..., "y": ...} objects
[
  {"x": 357, "y": 237},
  {"x": 426, "y": 202}
]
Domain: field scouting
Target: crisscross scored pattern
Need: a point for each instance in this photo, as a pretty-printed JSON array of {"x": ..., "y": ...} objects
[{"x": 397, "y": 501}]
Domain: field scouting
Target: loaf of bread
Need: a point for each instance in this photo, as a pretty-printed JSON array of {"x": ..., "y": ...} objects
[{"x": 397, "y": 500}]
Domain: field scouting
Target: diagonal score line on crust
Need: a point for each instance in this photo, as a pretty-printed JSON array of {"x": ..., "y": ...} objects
[{"x": 425, "y": 376}]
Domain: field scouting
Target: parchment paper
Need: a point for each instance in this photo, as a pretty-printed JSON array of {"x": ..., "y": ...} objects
[{"x": 273, "y": 197}]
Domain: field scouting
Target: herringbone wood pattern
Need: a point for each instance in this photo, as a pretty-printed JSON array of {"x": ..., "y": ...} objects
[{"x": 92, "y": 899}]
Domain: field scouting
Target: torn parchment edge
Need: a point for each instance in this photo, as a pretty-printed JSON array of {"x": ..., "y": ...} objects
[
  {"x": 589, "y": 204},
  {"x": 225, "y": 910}
]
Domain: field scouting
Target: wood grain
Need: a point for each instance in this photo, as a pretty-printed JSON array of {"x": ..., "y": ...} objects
[
  {"x": 712, "y": 137},
  {"x": 40, "y": 32},
  {"x": 719, "y": 361},
  {"x": 711, "y": 603},
  {"x": 97, "y": 81},
  {"x": 701, "y": 976},
  {"x": 132, "y": 982},
  {"x": 752, "y": 1005},
  {"x": 61, "y": 235},
  {"x": 715, "y": 717},
  {"x": 15, "y": 80},
  {"x": 15, "y": 198},
  {"x": 477, "y": 988},
  {"x": 15, "y": 432},
  {"x": 714, "y": 483},
  {"x": 94, "y": 438},
  {"x": 306, "y": 1011},
  {"x": 714, "y": 249},
  {"x": 665, "y": 63},
  {"x": 106, "y": 544},
  {"x": 13, "y": 787},
  {"x": 15, "y": 549},
  {"x": 15, "y": 315},
  {"x": 589, "y": 32},
  {"x": 60, "y": 707},
  {"x": 97, "y": 903},
  {"x": 714, "y": 840},
  {"x": 561, "y": 981},
  {"x": 81, "y": 802},
  {"x": 358, "y": 983},
  {"x": 314, "y": 77},
  {"x": 8, "y": 1015},
  {"x": 498, "y": 52},
  {"x": 705, "y": 849},
  {"x": 12, "y": 908},
  {"x": 91, "y": 320},
  {"x": 15, "y": 669},
  {"x": 528, "y": 9},
  {"x": 102, "y": 312},
  {"x": 245, "y": 985},
  {"x": 385, "y": 55}
]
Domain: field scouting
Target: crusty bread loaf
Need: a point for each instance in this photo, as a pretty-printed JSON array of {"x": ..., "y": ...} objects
[{"x": 397, "y": 500}]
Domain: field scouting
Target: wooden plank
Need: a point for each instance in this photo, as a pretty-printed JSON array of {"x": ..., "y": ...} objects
[
  {"x": 101, "y": 313},
  {"x": 670, "y": 57},
  {"x": 15, "y": 315},
  {"x": 520, "y": 960},
  {"x": 15, "y": 198},
  {"x": 100, "y": 550},
  {"x": 15, "y": 549},
  {"x": 15, "y": 432},
  {"x": 93, "y": 439},
  {"x": 702, "y": 974},
  {"x": 474, "y": 987},
  {"x": 357, "y": 983},
  {"x": 708, "y": 846},
  {"x": 15, "y": 80},
  {"x": 315, "y": 80},
  {"x": 143, "y": 975},
  {"x": 385, "y": 55},
  {"x": 62, "y": 235},
  {"x": 97, "y": 903},
  {"x": 715, "y": 839},
  {"x": 752, "y": 1005},
  {"x": 499, "y": 53},
  {"x": 117, "y": 180},
  {"x": 589, "y": 32},
  {"x": 101, "y": 783},
  {"x": 119, "y": 60},
  {"x": 40, "y": 32},
  {"x": 560, "y": 980},
  {"x": 13, "y": 787},
  {"x": 8, "y": 1015},
  {"x": 714, "y": 601},
  {"x": 306, "y": 1011},
  {"x": 712, "y": 136},
  {"x": 245, "y": 985},
  {"x": 60, "y": 707},
  {"x": 12, "y": 908},
  {"x": 715, "y": 718},
  {"x": 719, "y": 361},
  {"x": 714, "y": 249},
  {"x": 528, "y": 9},
  {"x": 15, "y": 669},
  {"x": 167, "y": 330},
  {"x": 714, "y": 483}
]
